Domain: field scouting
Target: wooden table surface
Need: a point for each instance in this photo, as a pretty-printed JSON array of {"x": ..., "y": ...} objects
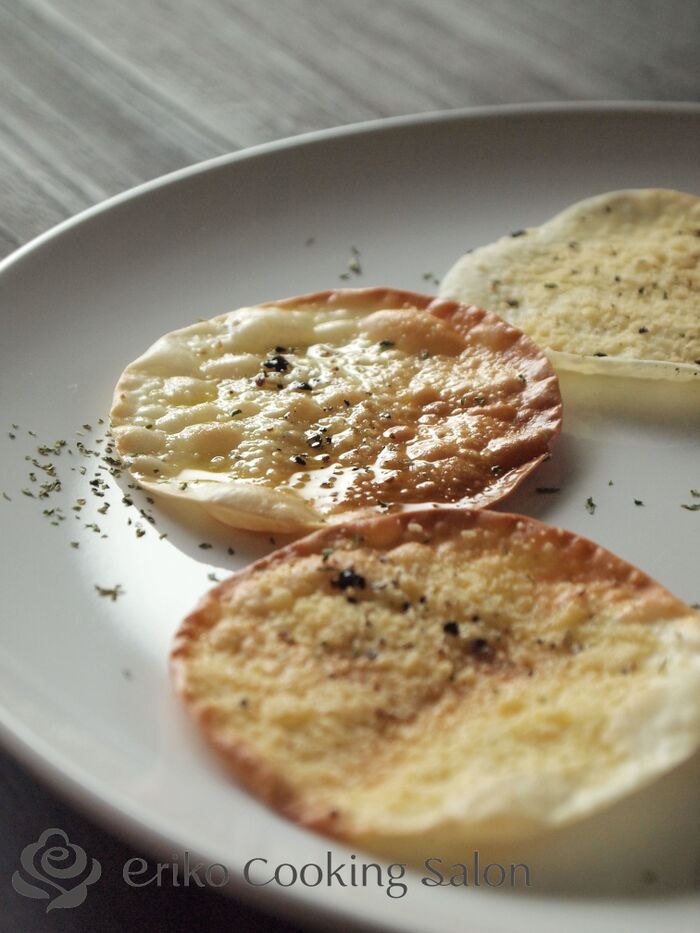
[{"x": 97, "y": 96}]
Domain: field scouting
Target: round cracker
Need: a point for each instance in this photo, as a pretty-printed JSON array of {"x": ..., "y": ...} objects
[
  {"x": 442, "y": 678},
  {"x": 286, "y": 415},
  {"x": 610, "y": 285}
]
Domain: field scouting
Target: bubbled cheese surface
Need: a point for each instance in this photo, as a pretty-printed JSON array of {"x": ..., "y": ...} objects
[
  {"x": 612, "y": 284},
  {"x": 281, "y": 416},
  {"x": 442, "y": 679}
]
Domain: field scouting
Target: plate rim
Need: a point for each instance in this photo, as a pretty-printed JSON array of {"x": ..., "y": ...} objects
[
  {"x": 358, "y": 128},
  {"x": 49, "y": 764}
]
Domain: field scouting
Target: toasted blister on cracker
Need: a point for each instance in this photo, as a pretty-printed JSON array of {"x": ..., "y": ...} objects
[
  {"x": 426, "y": 680},
  {"x": 284, "y": 416},
  {"x": 610, "y": 285}
]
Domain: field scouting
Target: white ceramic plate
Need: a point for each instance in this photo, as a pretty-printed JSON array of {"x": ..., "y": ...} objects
[{"x": 84, "y": 690}]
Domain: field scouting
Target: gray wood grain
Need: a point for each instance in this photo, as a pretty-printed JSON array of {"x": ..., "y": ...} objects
[{"x": 97, "y": 96}]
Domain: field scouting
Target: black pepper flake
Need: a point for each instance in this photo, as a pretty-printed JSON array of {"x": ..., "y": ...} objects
[
  {"x": 386, "y": 344},
  {"x": 205, "y": 546},
  {"x": 695, "y": 507},
  {"x": 301, "y": 387},
  {"x": 450, "y": 628},
  {"x": 547, "y": 490},
  {"x": 479, "y": 647},
  {"x": 516, "y": 233},
  {"x": 638, "y": 502},
  {"x": 600, "y": 354},
  {"x": 299, "y": 459},
  {"x": 278, "y": 363},
  {"x": 349, "y": 578},
  {"x": 512, "y": 303},
  {"x": 590, "y": 505},
  {"x": 643, "y": 330}
]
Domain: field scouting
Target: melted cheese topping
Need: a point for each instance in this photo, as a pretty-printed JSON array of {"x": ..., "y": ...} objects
[
  {"x": 452, "y": 676},
  {"x": 295, "y": 413},
  {"x": 615, "y": 278}
]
